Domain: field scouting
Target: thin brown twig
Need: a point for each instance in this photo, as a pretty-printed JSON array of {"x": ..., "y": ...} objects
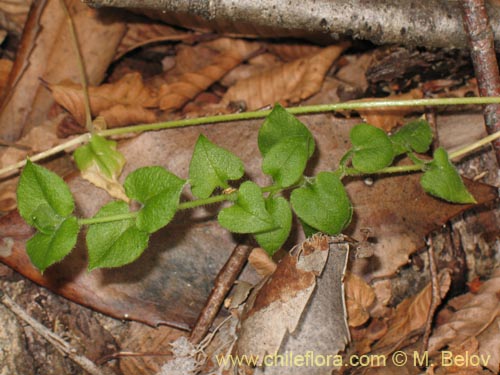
[
  {"x": 52, "y": 338},
  {"x": 223, "y": 282},
  {"x": 482, "y": 50},
  {"x": 435, "y": 296}
]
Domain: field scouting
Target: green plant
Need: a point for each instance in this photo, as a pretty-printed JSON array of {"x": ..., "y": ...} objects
[{"x": 117, "y": 236}]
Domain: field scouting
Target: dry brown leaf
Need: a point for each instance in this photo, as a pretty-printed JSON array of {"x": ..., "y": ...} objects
[
  {"x": 387, "y": 118},
  {"x": 474, "y": 319},
  {"x": 303, "y": 297},
  {"x": 289, "y": 82},
  {"x": 122, "y": 115},
  {"x": 48, "y": 52},
  {"x": 5, "y": 68},
  {"x": 364, "y": 337},
  {"x": 262, "y": 262},
  {"x": 128, "y": 91},
  {"x": 489, "y": 345},
  {"x": 465, "y": 349},
  {"x": 354, "y": 71},
  {"x": 292, "y": 51},
  {"x": 359, "y": 297},
  {"x": 255, "y": 66},
  {"x": 411, "y": 314},
  {"x": 141, "y": 33},
  {"x": 13, "y": 14},
  {"x": 231, "y": 53}
]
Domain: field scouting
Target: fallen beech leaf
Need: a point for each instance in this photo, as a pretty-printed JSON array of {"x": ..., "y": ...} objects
[
  {"x": 301, "y": 307},
  {"x": 5, "y": 68},
  {"x": 359, "y": 297},
  {"x": 139, "y": 34},
  {"x": 128, "y": 91},
  {"x": 262, "y": 262},
  {"x": 122, "y": 115},
  {"x": 354, "y": 71},
  {"x": 231, "y": 53},
  {"x": 255, "y": 66},
  {"x": 411, "y": 314},
  {"x": 13, "y": 14},
  {"x": 292, "y": 51},
  {"x": 363, "y": 337},
  {"x": 474, "y": 319},
  {"x": 291, "y": 82},
  {"x": 388, "y": 118},
  {"x": 47, "y": 52}
]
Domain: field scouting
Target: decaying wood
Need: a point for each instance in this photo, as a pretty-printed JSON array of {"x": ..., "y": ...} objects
[
  {"x": 430, "y": 23},
  {"x": 482, "y": 50}
]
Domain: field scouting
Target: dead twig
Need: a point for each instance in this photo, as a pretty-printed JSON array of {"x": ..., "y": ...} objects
[
  {"x": 482, "y": 50},
  {"x": 223, "y": 282},
  {"x": 52, "y": 338}
]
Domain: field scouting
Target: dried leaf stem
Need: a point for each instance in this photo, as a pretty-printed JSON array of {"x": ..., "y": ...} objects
[{"x": 305, "y": 110}]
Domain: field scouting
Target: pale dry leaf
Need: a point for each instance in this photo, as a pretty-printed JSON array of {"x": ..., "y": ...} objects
[
  {"x": 232, "y": 52},
  {"x": 261, "y": 262},
  {"x": 359, "y": 297},
  {"x": 122, "y": 115},
  {"x": 354, "y": 71},
  {"x": 301, "y": 307},
  {"x": 13, "y": 14},
  {"x": 411, "y": 314},
  {"x": 95, "y": 176},
  {"x": 241, "y": 291},
  {"x": 489, "y": 345},
  {"x": 130, "y": 90},
  {"x": 474, "y": 318},
  {"x": 383, "y": 296},
  {"x": 387, "y": 118},
  {"x": 142, "y": 33},
  {"x": 287, "y": 83}
]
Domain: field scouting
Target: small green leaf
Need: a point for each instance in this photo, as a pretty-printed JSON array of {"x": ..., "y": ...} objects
[
  {"x": 324, "y": 204},
  {"x": 211, "y": 167},
  {"x": 101, "y": 164},
  {"x": 101, "y": 153},
  {"x": 116, "y": 243},
  {"x": 39, "y": 186},
  {"x": 248, "y": 214},
  {"x": 45, "y": 249},
  {"x": 285, "y": 144},
  {"x": 413, "y": 136},
  {"x": 281, "y": 213},
  {"x": 443, "y": 181},
  {"x": 308, "y": 230},
  {"x": 372, "y": 148},
  {"x": 45, "y": 219},
  {"x": 159, "y": 191}
]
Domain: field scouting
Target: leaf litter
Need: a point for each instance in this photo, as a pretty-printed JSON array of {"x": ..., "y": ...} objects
[{"x": 265, "y": 80}]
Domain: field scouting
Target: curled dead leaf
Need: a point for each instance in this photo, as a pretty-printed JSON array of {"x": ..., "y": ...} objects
[
  {"x": 359, "y": 297},
  {"x": 292, "y": 51},
  {"x": 290, "y": 82}
]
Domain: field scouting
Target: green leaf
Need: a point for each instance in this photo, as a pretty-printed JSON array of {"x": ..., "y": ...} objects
[
  {"x": 443, "y": 181},
  {"x": 285, "y": 144},
  {"x": 324, "y": 204},
  {"x": 372, "y": 148},
  {"x": 281, "y": 213},
  {"x": 101, "y": 164},
  {"x": 159, "y": 191},
  {"x": 413, "y": 136},
  {"x": 116, "y": 243},
  {"x": 45, "y": 249},
  {"x": 39, "y": 186},
  {"x": 211, "y": 167},
  {"x": 45, "y": 219},
  {"x": 248, "y": 214},
  {"x": 308, "y": 230}
]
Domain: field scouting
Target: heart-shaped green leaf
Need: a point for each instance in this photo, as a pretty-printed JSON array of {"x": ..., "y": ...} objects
[
  {"x": 324, "y": 204},
  {"x": 285, "y": 144},
  {"x": 413, "y": 136},
  {"x": 372, "y": 148},
  {"x": 211, "y": 167},
  {"x": 116, "y": 243},
  {"x": 248, "y": 214},
  {"x": 159, "y": 191},
  {"x": 281, "y": 213},
  {"x": 38, "y": 187},
  {"x": 49, "y": 247},
  {"x": 442, "y": 180}
]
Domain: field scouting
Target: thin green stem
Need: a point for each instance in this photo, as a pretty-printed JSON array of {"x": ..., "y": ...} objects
[
  {"x": 301, "y": 111},
  {"x": 388, "y": 170},
  {"x": 474, "y": 146},
  {"x": 107, "y": 219},
  {"x": 203, "y": 202}
]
